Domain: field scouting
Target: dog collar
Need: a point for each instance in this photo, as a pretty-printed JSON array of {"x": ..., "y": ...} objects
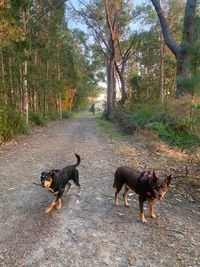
[
  {"x": 149, "y": 194},
  {"x": 147, "y": 174}
]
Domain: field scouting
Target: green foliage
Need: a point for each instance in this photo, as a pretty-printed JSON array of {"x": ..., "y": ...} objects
[
  {"x": 109, "y": 128},
  {"x": 171, "y": 123},
  {"x": 67, "y": 114},
  {"x": 53, "y": 115},
  {"x": 11, "y": 124},
  {"x": 174, "y": 136},
  {"x": 38, "y": 118}
]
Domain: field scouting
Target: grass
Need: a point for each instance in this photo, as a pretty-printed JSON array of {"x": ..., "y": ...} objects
[{"x": 109, "y": 128}]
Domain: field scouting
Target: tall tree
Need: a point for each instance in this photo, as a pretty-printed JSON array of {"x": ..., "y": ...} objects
[
  {"x": 179, "y": 50},
  {"x": 108, "y": 21}
]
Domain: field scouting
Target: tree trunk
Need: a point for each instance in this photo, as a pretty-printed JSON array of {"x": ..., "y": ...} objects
[
  {"x": 121, "y": 74},
  {"x": 25, "y": 72},
  {"x": 25, "y": 91},
  {"x": 182, "y": 72},
  {"x": 110, "y": 85},
  {"x": 162, "y": 54},
  {"x": 10, "y": 92},
  {"x": 59, "y": 96},
  {"x": 3, "y": 74},
  {"x": 21, "y": 89},
  {"x": 45, "y": 97}
]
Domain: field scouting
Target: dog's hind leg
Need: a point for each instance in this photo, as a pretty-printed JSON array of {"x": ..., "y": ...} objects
[
  {"x": 79, "y": 191},
  {"x": 69, "y": 187},
  {"x": 153, "y": 215},
  {"x": 125, "y": 195},
  {"x": 53, "y": 203},
  {"x": 76, "y": 181},
  {"x": 141, "y": 202},
  {"x": 119, "y": 187}
]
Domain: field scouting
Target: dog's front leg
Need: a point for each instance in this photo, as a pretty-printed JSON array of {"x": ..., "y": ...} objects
[
  {"x": 59, "y": 204},
  {"x": 151, "y": 203},
  {"x": 141, "y": 201}
]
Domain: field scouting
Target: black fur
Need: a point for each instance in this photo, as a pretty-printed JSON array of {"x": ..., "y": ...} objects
[{"x": 58, "y": 179}]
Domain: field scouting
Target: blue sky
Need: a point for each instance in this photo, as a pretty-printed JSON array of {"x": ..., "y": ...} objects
[{"x": 72, "y": 24}]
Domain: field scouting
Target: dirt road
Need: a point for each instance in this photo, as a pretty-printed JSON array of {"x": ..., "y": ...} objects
[{"x": 89, "y": 230}]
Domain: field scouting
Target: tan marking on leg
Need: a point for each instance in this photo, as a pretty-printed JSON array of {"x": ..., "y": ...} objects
[
  {"x": 79, "y": 191},
  {"x": 143, "y": 217},
  {"x": 50, "y": 207},
  {"x": 59, "y": 205},
  {"x": 126, "y": 191},
  {"x": 153, "y": 215},
  {"x": 142, "y": 211},
  {"x": 116, "y": 199},
  {"x": 69, "y": 187}
]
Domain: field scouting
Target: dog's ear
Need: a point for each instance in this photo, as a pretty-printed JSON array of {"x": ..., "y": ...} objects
[
  {"x": 168, "y": 179},
  {"x": 154, "y": 178}
]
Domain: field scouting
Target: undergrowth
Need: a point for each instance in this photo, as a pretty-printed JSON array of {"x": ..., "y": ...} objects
[
  {"x": 109, "y": 128},
  {"x": 11, "y": 124},
  {"x": 177, "y": 123}
]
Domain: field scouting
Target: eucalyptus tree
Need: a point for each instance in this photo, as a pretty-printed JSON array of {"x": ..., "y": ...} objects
[
  {"x": 108, "y": 21},
  {"x": 179, "y": 50}
]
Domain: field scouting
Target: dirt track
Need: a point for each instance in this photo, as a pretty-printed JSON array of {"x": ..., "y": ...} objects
[{"x": 90, "y": 230}]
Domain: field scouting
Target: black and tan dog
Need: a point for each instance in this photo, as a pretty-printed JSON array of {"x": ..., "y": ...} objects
[
  {"x": 145, "y": 184},
  {"x": 56, "y": 180}
]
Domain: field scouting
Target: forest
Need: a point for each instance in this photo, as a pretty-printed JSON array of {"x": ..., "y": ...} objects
[{"x": 56, "y": 55}]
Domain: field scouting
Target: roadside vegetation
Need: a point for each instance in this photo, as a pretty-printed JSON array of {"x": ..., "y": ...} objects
[{"x": 177, "y": 124}]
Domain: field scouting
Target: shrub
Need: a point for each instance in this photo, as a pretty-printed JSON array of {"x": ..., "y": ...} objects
[
  {"x": 53, "y": 115},
  {"x": 176, "y": 123},
  {"x": 67, "y": 114},
  {"x": 38, "y": 118},
  {"x": 11, "y": 124}
]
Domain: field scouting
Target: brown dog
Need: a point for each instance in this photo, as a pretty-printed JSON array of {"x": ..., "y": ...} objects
[{"x": 145, "y": 184}]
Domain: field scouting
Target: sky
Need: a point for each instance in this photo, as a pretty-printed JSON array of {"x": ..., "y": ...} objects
[{"x": 72, "y": 24}]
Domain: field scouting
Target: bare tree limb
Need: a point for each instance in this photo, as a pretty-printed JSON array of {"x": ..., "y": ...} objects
[{"x": 165, "y": 28}]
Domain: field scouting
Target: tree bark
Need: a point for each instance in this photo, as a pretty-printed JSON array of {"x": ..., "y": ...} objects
[
  {"x": 121, "y": 75},
  {"x": 25, "y": 72},
  {"x": 110, "y": 85},
  {"x": 162, "y": 54},
  {"x": 3, "y": 76},
  {"x": 111, "y": 90},
  {"x": 59, "y": 96}
]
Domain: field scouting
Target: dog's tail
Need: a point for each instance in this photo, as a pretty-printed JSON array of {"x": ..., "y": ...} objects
[{"x": 78, "y": 160}]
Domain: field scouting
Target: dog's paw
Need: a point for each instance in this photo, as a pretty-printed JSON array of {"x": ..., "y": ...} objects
[
  {"x": 127, "y": 205},
  {"x": 144, "y": 220},
  {"x": 47, "y": 210},
  {"x": 153, "y": 216},
  {"x": 78, "y": 194}
]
